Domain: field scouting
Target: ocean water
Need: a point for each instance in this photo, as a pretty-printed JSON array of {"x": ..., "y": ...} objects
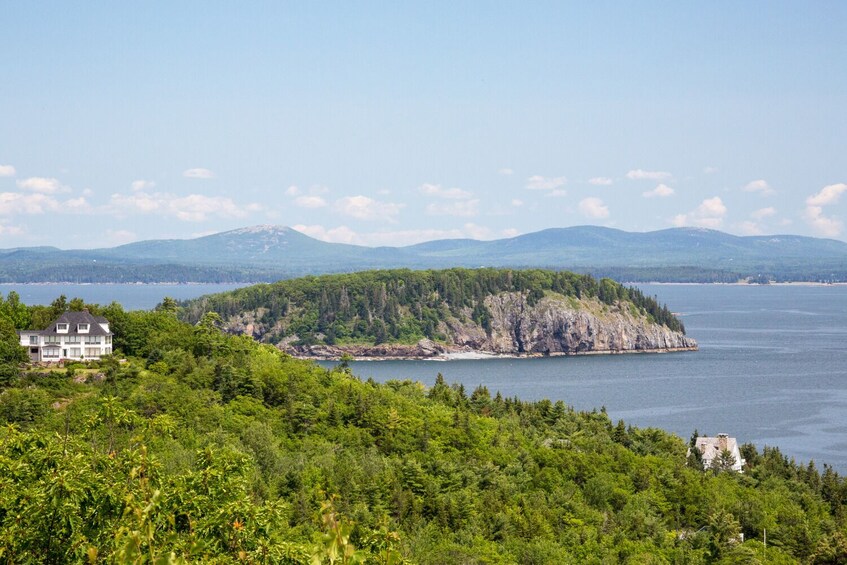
[{"x": 771, "y": 370}]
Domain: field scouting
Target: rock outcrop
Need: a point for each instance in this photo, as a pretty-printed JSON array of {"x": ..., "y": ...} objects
[{"x": 555, "y": 325}]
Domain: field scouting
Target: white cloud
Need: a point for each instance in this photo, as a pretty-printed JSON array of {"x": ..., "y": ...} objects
[
  {"x": 710, "y": 170},
  {"x": 292, "y": 190},
  {"x": 750, "y": 228},
  {"x": 761, "y": 186},
  {"x": 341, "y": 234},
  {"x": 7, "y": 171},
  {"x": 600, "y": 181},
  {"x": 11, "y": 230},
  {"x": 16, "y": 203},
  {"x": 830, "y": 227},
  {"x": 510, "y": 232},
  {"x": 43, "y": 185},
  {"x": 505, "y": 171},
  {"x": 661, "y": 191},
  {"x": 557, "y": 192},
  {"x": 538, "y": 182},
  {"x": 198, "y": 173},
  {"x": 593, "y": 207},
  {"x": 142, "y": 185},
  {"x": 814, "y": 216},
  {"x": 763, "y": 213},
  {"x": 828, "y": 195},
  {"x": 190, "y": 208},
  {"x": 310, "y": 202},
  {"x": 119, "y": 237},
  {"x": 87, "y": 192},
  {"x": 709, "y": 214},
  {"x": 517, "y": 202},
  {"x": 475, "y": 231},
  {"x": 435, "y": 190},
  {"x": 78, "y": 205},
  {"x": 365, "y": 208},
  {"x": 641, "y": 174},
  {"x": 465, "y": 208}
]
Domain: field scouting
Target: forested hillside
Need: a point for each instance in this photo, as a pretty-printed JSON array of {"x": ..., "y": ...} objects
[
  {"x": 403, "y": 306},
  {"x": 206, "y": 447}
]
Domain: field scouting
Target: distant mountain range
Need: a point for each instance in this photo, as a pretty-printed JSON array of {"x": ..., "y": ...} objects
[{"x": 266, "y": 253}]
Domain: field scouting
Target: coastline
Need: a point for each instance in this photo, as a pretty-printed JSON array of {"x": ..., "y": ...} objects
[{"x": 485, "y": 355}]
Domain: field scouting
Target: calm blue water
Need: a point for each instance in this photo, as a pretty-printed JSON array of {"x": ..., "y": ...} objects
[
  {"x": 772, "y": 370},
  {"x": 772, "y": 365},
  {"x": 131, "y": 296}
]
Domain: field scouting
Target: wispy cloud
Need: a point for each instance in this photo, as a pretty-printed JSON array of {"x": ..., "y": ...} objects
[
  {"x": 198, "y": 173},
  {"x": 761, "y": 186},
  {"x": 366, "y": 208},
  {"x": 593, "y": 207},
  {"x": 538, "y": 182},
  {"x": 505, "y": 171},
  {"x": 12, "y": 203},
  {"x": 43, "y": 185},
  {"x": 600, "y": 181},
  {"x": 641, "y": 174},
  {"x": 190, "y": 208},
  {"x": 661, "y": 191},
  {"x": 709, "y": 214},
  {"x": 464, "y": 208},
  {"x": 310, "y": 202},
  {"x": 142, "y": 185},
  {"x": 814, "y": 216},
  {"x": 119, "y": 237},
  {"x": 436, "y": 191},
  {"x": 7, "y": 171},
  {"x": 763, "y": 213}
]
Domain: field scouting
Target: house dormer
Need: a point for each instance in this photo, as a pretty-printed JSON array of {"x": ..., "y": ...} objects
[
  {"x": 82, "y": 328},
  {"x": 61, "y": 328}
]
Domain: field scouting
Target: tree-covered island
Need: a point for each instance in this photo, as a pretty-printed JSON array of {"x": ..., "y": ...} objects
[{"x": 404, "y": 313}]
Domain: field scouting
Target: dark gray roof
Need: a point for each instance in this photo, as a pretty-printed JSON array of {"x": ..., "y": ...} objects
[{"x": 74, "y": 318}]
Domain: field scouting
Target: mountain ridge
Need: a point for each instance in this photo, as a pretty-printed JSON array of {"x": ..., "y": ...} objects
[{"x": 270, "y": 252}]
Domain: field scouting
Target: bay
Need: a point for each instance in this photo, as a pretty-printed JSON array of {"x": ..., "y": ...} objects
[{"x": 771, "y": 370}]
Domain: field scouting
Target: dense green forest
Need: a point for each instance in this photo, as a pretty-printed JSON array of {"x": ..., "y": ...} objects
[
  {"x": 206, "y": 447},
  {"x": 403, "y": 305}
]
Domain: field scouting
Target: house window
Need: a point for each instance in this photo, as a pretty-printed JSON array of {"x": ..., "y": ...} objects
[
  {"x": 108, "y": 339},
  {"x": 51, "y": 339},
  {"x": 82, "y": 328},
  {"x": 61, "y": 328},
  {"x": 92, "y": 339},
  {"x": 92, "y": 352},
  {"x": 108, "y": 351},
  {"x": 76, "y": 352},
  {"x": 73, "y": 339},
  {"x": 33, "y": 340},
  {"x": 51, "y": 353}
]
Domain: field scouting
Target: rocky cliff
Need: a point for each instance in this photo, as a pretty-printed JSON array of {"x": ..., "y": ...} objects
[{"x": 554, "y": 325}]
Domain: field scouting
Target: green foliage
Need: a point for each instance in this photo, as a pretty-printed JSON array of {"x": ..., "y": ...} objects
[{"x": 206, "y": 447}]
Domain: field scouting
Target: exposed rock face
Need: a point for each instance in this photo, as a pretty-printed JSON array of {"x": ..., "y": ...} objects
[{"x": 552, "y": 326}]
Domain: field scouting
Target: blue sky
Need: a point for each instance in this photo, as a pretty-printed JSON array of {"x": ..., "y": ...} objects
[{"x": 392, "y": 123}]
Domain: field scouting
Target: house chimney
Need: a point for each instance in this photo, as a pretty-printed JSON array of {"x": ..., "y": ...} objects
[{"x": 723, "y": 442}]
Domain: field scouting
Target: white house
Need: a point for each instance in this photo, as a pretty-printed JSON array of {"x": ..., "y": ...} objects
[
  {"x": 710, "y": 449},
  {"x": 75, "y": 336}
]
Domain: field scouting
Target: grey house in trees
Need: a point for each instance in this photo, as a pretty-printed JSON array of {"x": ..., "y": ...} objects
[
  {"x": 710, "y": 449},
  {"x": 73, "y": 336}
]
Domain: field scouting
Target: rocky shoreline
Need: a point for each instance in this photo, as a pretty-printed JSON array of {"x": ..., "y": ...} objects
[
  {"x": 547, "y": 328},
  {"x": 438, "y": 352}
]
